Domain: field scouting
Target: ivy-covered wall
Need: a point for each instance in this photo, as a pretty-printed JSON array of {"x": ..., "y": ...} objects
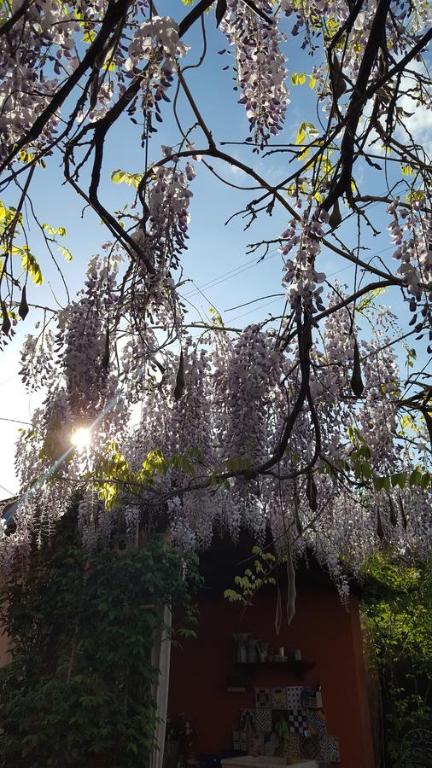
[{"x": 79, "y": 687}]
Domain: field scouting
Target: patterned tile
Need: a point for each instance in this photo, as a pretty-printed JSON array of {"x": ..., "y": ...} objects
[
  {"x": 297, "y": 722},
  {"x": 316, "y": 722},
  {"x": 294, "y": 696},
  {"x": 278, "y": 698},
  {"x": 294, "y": 747},
  {"x": 263, "y": 720},
  {"x": 263, "y": 698},
  {"x": 308, "y": 697},
  {"x": 310, "y": 748},
  {"x": 329, "y": 749},
  {"x": 248, "y": 720}
]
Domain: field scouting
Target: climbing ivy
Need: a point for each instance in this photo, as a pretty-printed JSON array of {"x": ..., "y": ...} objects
[
  {"x": 79, "y": 688},
  {"x": 397, "y": 604}
]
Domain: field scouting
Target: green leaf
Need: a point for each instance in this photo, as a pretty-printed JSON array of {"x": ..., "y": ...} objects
[
  {"x": 416, "y": 477},
  {"x": 117, "y": 176},
  {"x": 301, "y": 134},
  {"x": 109, "y": 65},
  {"x": 382, "y": 483},
  {"x": 216, "y": 318},
  {"x": 237, "y": 464},
  {"x": 25, "y": 157},
  {"x": 232, "y": 596},
  {"x": 416, "y": 195},
  {"x": 65, "y": 252},
  {"x": 89, "y": 36},
  {"x": 367, "y": 470},
  {"x": 7, "y": 215},
  {"x": 298, "y": 78},
  {"x": 399, "y": 479},
  {"x": 30, "y": 265},
  {"x": 61, "y": 231},
  {"x": 369, "y": 299},
  {"x": 123, "y": 177},
  {"x": 352, "y": 434},
  {"x": 407, "y": 422}
]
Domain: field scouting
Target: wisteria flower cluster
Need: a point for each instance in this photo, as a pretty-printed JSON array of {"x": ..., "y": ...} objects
[
  {"x": 249, "y": 375},
  {"x": 139, "y": 360},
  {"x": 156, "y": 42},
  {"x": 40, "y": 49},
  {"x": 163, "y": 235},
  {"x": 377, "y": 414},
  {"x": 329, "y": 16},
  {"x": 216, "y": 408},
  {"x": 338, "y": 346},
  {"x": 411, "y": 232},
  {"x": 260, "y": 67},
  {"x": 157, "y": 38},
  {"x": 302, "y": 280},
  {"x": 37, "y": 360},
  {"x": 45, "y": 47},
  {"x": 84, "y": 340},
  {"x": 161, "y": 238},
  {"x": 292, "y": 424}
]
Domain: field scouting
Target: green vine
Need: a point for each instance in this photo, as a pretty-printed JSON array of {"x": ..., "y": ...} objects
[
  {"x": 397, "y": 604},
  {"x": 257, "y": 575},
  {"x": 79, "y": 688}
]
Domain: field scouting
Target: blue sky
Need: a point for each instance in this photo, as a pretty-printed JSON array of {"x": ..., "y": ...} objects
[{"x": 221, "y": 273}]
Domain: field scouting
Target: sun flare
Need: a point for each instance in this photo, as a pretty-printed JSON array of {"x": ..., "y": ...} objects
[{"x": 81, "y": 438}]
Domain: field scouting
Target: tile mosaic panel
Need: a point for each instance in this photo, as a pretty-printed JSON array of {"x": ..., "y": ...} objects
[
  {"x": 316, "y": 722},
  {"x": 329, "y": 749},
  {"x": 294, "y": 696},
  {"x": 294, "y": 747},
  {"x": 310, "y": 698},
  {"x": 248, "y": 720},
  {"x": 297, "y": 722},
  {"x": 263, "y": 720},
  {"x": 310, "y": 748},
  {"x": 278, "y": 698},
  {"x": 263, "y": 698}
]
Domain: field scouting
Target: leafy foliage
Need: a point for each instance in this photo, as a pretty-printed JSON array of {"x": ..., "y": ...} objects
[
  {"x": 82, "y": 624},
  {"x": 398, "y": 606},
  {"x": 123, "y": 177},
  {"x": 257, "y": 575}
]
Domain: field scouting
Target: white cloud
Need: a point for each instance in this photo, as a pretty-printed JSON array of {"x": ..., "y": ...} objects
[
  {"x": 419, "y": 124},
  {"x": 418, "y": 119}
]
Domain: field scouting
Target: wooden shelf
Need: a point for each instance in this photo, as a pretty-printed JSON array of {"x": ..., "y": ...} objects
[{"x": 298, "y": 667}]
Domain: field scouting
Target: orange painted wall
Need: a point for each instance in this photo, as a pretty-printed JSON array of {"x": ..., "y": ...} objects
[{"x": 323, "y": 630}]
